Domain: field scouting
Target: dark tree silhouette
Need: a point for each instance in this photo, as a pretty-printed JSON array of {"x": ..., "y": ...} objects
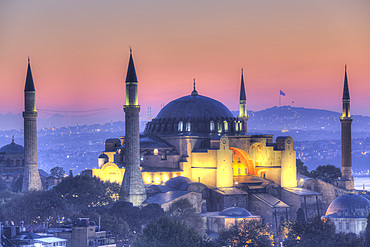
[
  {"x": 57, "y": 172},
  {"x": 247, "y": 233},
  {"x": 302, "y": 168},
  {"x": 316, "y": 232},
  {"x": 184, "y": 211},
  {"x": 168, "y": 233},
  {"x": 327, "y": 173},
  {"x": 301, "y": 218}
]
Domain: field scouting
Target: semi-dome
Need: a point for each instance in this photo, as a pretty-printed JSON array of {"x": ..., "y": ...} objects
[
  {"x": 12, "y": 148},
  {"x": 194, "y": 115},
  {"x": 178, "y": 183},
  {"x": 349, "y": 206},
  {"x": 235, "y": 212}
]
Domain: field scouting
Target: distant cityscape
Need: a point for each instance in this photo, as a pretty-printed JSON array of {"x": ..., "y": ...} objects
[{"x": 316, "y": 135}]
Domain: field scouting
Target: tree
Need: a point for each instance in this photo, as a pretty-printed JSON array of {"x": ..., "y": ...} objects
[
  {"x": 167, "y": 232},
  {"x": 301, "y": 217},
  {"x": 247, "y": 233},
  {"x": 84, "y": 193},
  {"x": 348, "y": 240},
  {"x": 316, "y": 232},
  {"x": 57, "y": 172},
  {"x": 116, "y": 226},
  {"x": 284, "y": 229},
  {"x": 17, "y": 184},
  {"x": 327, "y": 173},
  {"x": 34, "y": 207},
  {"x": 184, "y": 211},
  {"x": 302, "y": 168}
]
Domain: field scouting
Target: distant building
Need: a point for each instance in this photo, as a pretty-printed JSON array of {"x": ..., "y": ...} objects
[
  {"x": 222, "y": 220},
  {"x": 349, "y": 213},
  {"x": 16, "y": 236},
  {"x": 11, "y": 158}
]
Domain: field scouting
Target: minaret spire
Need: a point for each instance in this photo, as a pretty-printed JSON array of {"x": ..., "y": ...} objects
[
  {"x": 132, "y": 184},
  {"x": 29, "y": 86},
  {"x": 194, "y": 93},
  {"x": 346, "y": 180},
  {"x": 243, "y": 116},
  {"x": 31, "y": 176},
  {"x": 345, "y": 87}
]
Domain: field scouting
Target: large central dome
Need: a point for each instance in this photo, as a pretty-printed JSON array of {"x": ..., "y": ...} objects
[
  {"x": 194, "y": 115},
  {"x": 196, "y": 106}
]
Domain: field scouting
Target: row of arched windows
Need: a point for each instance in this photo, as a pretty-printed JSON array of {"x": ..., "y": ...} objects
[{"x": 181, "y": 126}]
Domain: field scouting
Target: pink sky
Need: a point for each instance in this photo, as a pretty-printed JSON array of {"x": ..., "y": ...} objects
[{"x": 79, "y": 52}]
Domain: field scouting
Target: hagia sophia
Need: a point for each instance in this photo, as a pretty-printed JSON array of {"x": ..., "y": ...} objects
[
  {"x": 195, "y": 144},
  {"x": 196, "y": 149}
]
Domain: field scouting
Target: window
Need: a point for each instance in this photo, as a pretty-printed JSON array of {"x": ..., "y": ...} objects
[
  {"x": 239, "y": 170},
  {"x": 188, "y": 126},
  {"x": 163, "y": 155},
  {"x": 180, "y": 126},
  {"x": 212, "y": 126},
  {"x": 226, "y": 126},
  {"x": 246, "y": 170},
  {"x": 347, "y": 226},
  {"x": 155, "y": 151},
  {"x": 219, "y": 127}
]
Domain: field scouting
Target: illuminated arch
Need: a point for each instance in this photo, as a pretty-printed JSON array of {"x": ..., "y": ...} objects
[
  {"x": 112, "y": 173},
  {"x": 243, "y": 161}
]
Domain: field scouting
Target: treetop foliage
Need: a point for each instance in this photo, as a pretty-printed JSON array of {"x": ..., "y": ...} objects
[
  {"x": 167, "y": 232},
  {"x": 247, "y": 233}
]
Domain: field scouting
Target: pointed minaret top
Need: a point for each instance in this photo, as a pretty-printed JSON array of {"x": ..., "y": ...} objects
[
  {"x": 345, "y": 88},
  {"x": 12, "y": 138},
  {"x": 242, "y": 89},
  {"x": 131, "y": 73},
  {"x": 194, "y": 93},
  {"x": 29, "y": 80}
]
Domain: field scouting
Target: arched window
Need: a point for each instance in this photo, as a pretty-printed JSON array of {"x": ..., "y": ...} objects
[
  {"x": 212, "y": 126},
  {"x": 180, "y": 126},
  {"x": 246, "y": 170},
  {"x": 236, "y": 126},
  {"x": 219, "y": 127},
  {"x": 188, "y": 126},
  {"x": 347, "y": 226},
  {"x": 239, "y": 171},
  {"x": 226, "y": 126}
]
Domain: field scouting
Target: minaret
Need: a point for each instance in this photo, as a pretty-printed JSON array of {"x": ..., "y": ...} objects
[
  {"x": 243, "y": 116},
  {"x": 346, "y": 121},
  {"x": 132, "y": 184},
  {"x": 31, "y": 176}
]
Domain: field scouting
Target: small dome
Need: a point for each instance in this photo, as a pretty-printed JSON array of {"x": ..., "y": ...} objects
[
  {"x": 12, "y": 148},
  {"x": 349, "y": 206},
  {"x": 103, "y": 156},
  {"x": 178, "y": 183},
  {"x": 235, "y": 212}
]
